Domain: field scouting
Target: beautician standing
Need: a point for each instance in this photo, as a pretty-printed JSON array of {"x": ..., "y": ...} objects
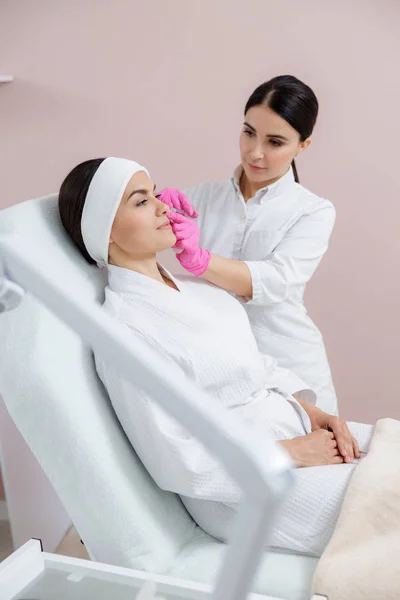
[{"x": 262, "y": 235}]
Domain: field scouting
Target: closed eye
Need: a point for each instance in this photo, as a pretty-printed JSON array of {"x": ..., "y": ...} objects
[
  {"x": 142, "y": 202},
  {"x": 275, "y": 143},
  {"x": 248, "y": 132}
]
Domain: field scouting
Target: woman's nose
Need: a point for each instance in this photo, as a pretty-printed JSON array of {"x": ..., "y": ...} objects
[
  {"x": 162, "y": 208},
  {"x": 257, "y": 152}
]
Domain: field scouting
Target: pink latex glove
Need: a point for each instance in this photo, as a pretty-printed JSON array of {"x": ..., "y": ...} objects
[
  {"x": 177, "y": 199},
  {"x": 192, "y": 258}
]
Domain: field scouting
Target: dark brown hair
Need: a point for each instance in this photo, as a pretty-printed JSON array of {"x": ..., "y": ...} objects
[
  {"x": 71, "y": 200},
  {"x": 292, "y": 100}
]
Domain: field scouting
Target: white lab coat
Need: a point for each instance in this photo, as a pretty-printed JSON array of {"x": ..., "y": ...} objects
[
  {"x": 205, "y": 334},
  {"x": 281, "y": 234}
]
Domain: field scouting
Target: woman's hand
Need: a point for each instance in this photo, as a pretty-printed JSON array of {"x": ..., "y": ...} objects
[
  {"x": 315, "y": 449},
  {"x": 192, "y": 258},
  {"x": 347, "y": 444},
  {"x": 321, "y": 420},
  {"x": 176, "y": 199},
  {"x": 186, "y": 231}
]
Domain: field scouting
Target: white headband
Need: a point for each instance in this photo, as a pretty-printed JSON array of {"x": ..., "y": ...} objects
[{"x": 102, "y": 200}]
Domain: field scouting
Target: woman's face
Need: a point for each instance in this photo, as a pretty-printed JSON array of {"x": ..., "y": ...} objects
[
  {"x": 268, "y": 144},
  {"x": 141, "y": 227}
]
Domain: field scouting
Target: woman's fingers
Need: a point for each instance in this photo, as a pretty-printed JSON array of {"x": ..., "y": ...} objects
[
  {"x": 166, "y": 197},
  {"x": 182, "y": 234},
  {"x": 174, "y": 198},
  {"x": 187, "y": 207},
  {"x": 176, "y": 217},
  {"x": 181, "y": 227},
  {"x": 349, "y": 444},
  {"x": 357, "y": 453},
  {"x": 343, "y": 437}
]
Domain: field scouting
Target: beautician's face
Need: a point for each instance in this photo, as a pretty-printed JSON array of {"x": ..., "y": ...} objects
[
  {"x": 141, "y": 227},
  {"x": 268, "y": 144}
]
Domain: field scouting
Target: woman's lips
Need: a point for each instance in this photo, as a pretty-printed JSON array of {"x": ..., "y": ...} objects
[
  {"x": 255, "y": 168},
  {"x": 165, "y": 226}
]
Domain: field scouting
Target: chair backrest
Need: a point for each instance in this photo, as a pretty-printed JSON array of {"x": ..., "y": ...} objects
[{"x": 51, "y": 389}]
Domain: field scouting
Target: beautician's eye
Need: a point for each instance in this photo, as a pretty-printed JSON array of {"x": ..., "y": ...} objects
[
  {"x": 276, "y": 144},
  {"x": 142, "y": 202}
]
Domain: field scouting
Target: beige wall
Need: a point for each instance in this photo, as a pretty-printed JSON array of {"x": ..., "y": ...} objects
[{"x": 166, "y": 82}]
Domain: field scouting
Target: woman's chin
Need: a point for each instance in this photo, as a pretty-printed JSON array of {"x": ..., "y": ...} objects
[
  {"x": 168, "y": 242},
  {"x": 256, "y": 176}
]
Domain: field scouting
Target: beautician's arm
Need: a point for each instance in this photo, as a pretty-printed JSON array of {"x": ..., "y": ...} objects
[
  {"x": 231, "y": 275},
  {"x": 292, "y": 263}
]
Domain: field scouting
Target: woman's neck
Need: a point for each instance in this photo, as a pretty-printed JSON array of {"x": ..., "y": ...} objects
[
  {"x": 145, "y": 266},
  {"x": 250, "y": 188}
]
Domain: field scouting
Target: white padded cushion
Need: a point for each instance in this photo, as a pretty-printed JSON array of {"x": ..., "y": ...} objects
[
  {"x": 50, "y": 387},
  {"x": 286, "y": 576}
]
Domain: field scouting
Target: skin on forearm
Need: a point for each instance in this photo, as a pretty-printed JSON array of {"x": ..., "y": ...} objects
[
  {"x": 310, "y": 409},
  {"x": 288, "y": 446},
  {"x": 230, "y": 275},
  {"x": 292, "y": 445}
]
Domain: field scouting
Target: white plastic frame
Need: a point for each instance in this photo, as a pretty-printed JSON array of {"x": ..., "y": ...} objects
[
  {"x": 26, "y": 564},
  {"x": 263, "y": 480}
]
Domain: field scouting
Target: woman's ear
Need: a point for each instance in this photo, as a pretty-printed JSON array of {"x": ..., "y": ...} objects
[{"x": 304, "y": 145}]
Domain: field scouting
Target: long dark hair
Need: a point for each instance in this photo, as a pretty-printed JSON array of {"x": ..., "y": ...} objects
[
  {"x": 292, "y": 100},
  {"x": 71, "y": 200}
]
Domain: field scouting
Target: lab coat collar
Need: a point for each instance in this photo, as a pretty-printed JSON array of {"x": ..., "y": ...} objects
[{"x": 266, "y": 193}]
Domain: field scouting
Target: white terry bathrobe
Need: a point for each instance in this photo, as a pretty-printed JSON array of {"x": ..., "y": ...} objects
[{"x": 206, "y": 332}]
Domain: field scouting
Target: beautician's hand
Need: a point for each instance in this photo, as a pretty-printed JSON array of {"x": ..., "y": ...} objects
[
  {"x": 174, "y": 198},
  {"x": 314, "y": 449},
  {"x": 192, "y": 258}
]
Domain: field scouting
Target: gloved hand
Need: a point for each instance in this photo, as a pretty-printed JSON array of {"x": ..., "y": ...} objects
[
  {"x": 192, "y": 258},
  {"x": 174, "y": 198}
]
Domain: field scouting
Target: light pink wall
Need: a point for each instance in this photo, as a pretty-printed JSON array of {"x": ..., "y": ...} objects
[
  {"x": 166, "y": 82},
  {"x": 2, "y": 495}
]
